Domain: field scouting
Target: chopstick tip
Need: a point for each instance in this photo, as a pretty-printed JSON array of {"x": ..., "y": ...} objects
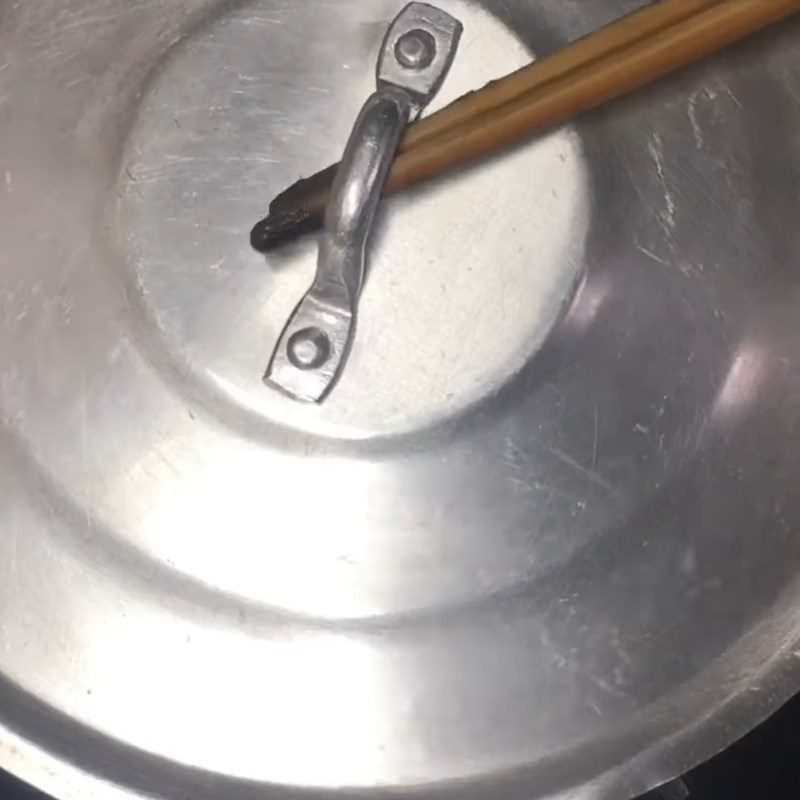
[{"x": 281, "y": 227}]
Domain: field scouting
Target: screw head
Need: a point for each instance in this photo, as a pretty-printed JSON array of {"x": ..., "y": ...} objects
[
  {"x": 309, "y": 349},
  {"x": 415, "y": 49}
]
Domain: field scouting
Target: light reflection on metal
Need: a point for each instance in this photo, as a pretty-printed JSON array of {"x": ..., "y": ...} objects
[{"x": 747, "y": 376}]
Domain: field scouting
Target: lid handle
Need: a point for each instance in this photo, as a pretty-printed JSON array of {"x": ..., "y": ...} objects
[{"x": 415, "y": 58}]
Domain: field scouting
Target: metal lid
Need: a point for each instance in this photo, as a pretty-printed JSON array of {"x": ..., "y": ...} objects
[{"x": 540, "y": 540}]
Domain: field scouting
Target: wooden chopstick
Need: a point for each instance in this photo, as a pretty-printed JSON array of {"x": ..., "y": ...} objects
[
  {"x": 311, "y": 194},
  {"x": 605, "y": 65},
  {"x": 533, "y": 77},
  {"x": 621, "y": 72}
]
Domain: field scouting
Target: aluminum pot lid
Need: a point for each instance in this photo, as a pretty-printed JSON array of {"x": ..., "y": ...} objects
[{"x": 542, "y": 539}]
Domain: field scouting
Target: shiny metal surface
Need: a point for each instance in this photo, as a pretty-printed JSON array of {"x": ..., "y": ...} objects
[
  {"x": 541, "y": 542},
  {"x": 415, "y": 57}
]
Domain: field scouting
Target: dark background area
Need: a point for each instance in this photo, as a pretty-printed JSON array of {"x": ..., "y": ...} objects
[{"x": 765, "y": 765}]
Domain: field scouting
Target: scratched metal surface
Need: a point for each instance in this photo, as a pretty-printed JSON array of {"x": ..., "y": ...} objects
[{"x": 541, "y": 542}]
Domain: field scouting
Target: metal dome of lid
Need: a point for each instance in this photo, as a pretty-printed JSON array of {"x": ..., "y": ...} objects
[{"x": 542, "y": 539}]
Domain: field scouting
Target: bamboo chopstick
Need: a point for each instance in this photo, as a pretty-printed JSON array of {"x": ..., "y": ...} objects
[
  {"x": 616, "y": 60},
  {"x": 583, "y": 52},
  {"x": 709, "y": 31},
  {"x": 530, "y": 78},
  {"x": 303, "y": 204}
]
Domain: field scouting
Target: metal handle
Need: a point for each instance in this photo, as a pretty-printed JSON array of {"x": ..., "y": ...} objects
[{"x": 415, "y": 58}]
